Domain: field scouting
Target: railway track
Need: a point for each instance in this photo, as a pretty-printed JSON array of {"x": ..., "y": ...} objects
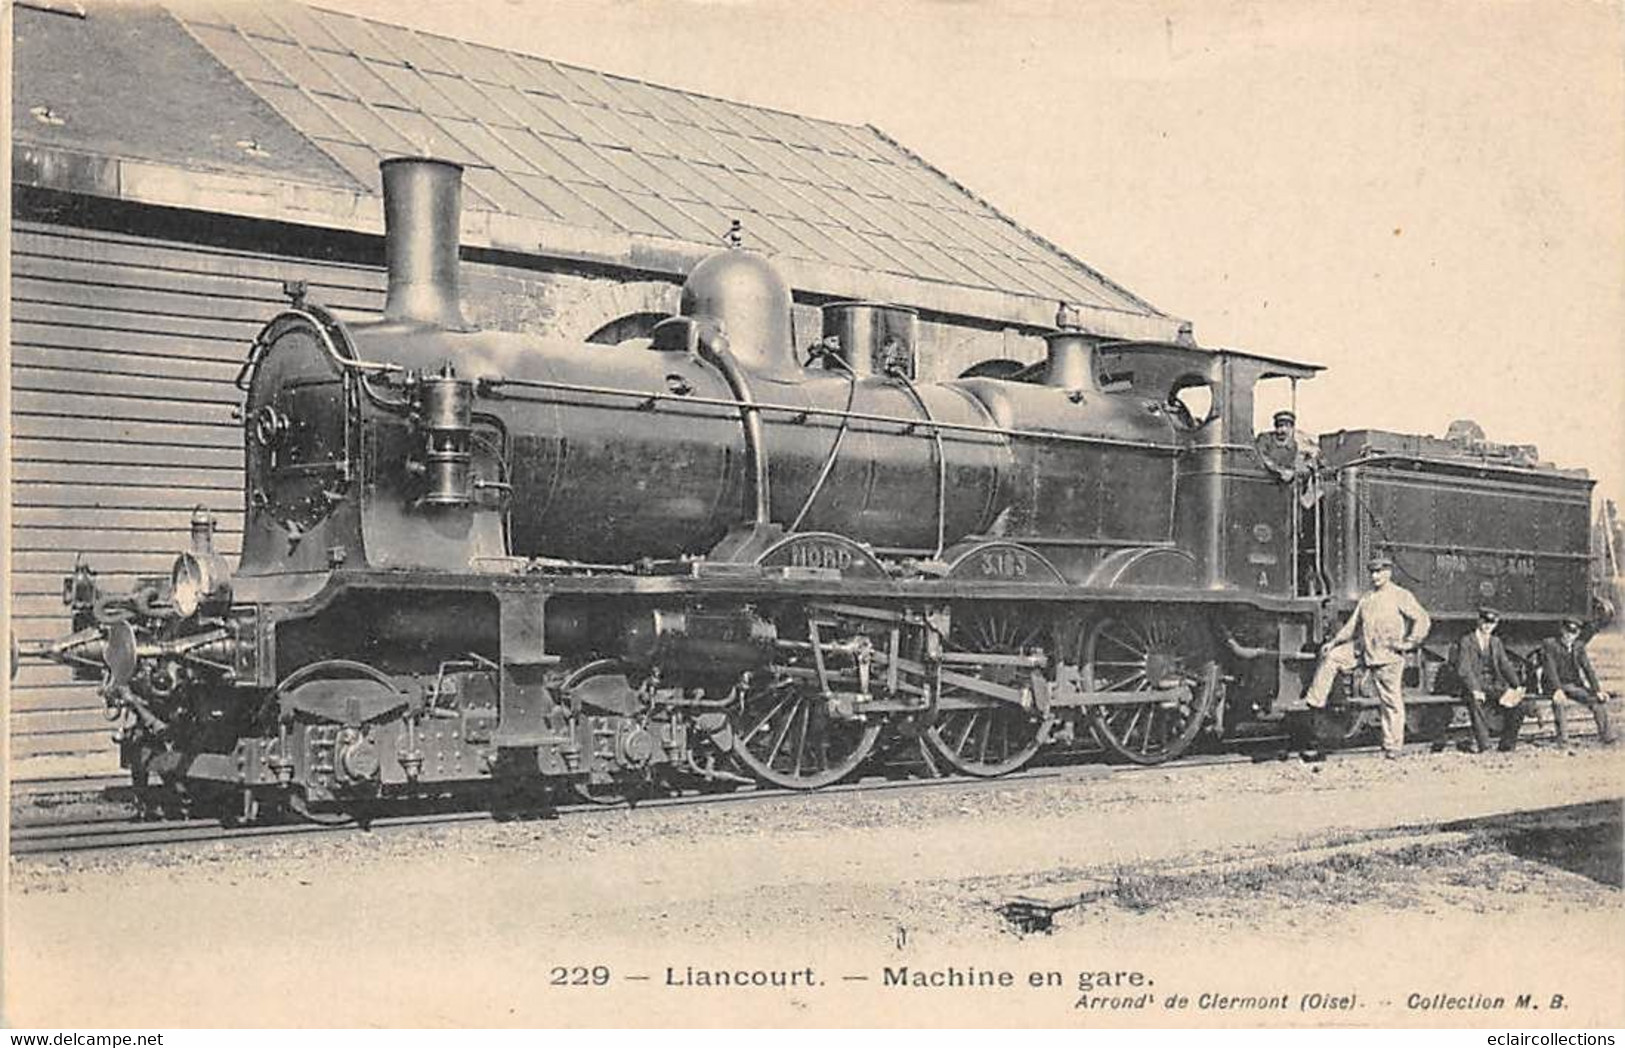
[
  {"x": 112, "y": 827},
  {"x": 112, "y": 831}
]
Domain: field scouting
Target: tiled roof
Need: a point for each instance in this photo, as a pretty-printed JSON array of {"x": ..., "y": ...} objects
[
  {"x": 565, "y": 144},
  {"x": 129, "y": 82}
]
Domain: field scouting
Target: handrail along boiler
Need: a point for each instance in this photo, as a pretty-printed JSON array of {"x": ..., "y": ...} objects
[{"x": 703, "y": 557}]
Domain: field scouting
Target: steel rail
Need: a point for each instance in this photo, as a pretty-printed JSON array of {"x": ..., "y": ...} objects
[
  {"x": 100, "y": 835},
  {"x": 108, "y": 834}
]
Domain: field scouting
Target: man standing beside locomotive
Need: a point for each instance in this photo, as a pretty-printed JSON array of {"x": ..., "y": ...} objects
[
  {"x": 1487, "y": 675},
  {"x": 1387, "y": 623},
  {"x": 1569, "y": 676}
]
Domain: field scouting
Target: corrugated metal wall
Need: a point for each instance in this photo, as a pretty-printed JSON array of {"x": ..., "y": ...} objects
[{"x": 124, "y": 350}]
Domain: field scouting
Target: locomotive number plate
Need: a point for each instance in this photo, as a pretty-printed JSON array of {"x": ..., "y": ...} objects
[
  {"x": 1003, "y": 564},
  {"x": 1006, "y": 562}
]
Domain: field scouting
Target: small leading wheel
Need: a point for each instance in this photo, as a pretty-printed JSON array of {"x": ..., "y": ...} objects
[
  {"x": 301, "y": 806},
  {"x": 602, "y": 688},
  {"x": 787, "y": 734},
  {"x": 995, "y": 737},
  {"x": 620, "y": 791},
  {"x": 1167, "y": 658}
]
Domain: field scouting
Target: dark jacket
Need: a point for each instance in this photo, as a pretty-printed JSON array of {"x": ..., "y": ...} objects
[
  {"x": 1567, "y": 667},
  {"x": 1279, "y": 458},
  {"x": 1486, "y": 670}
]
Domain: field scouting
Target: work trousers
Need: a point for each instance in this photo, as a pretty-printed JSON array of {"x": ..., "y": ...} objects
[
  {"x": 1389, "y": 680},
  {"x": 1511, "y": 723},
  {"x": 1585, "y": 697}
]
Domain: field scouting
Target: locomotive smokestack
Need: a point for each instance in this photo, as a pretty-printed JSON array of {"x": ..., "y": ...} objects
[{"x": 423, "y": 207}]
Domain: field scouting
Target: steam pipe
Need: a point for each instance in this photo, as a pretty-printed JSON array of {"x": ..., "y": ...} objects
[
  {"x": 942, "y": 463},
  {"x": 491, "y": 385},
  {"x": 750, "y": 416},
  {"x": 834, "y": 446}
]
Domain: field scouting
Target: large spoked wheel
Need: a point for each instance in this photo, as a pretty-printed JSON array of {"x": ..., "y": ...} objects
[
  {"x": 1155, "y": 657},
  {"x": 786, "y": 734},
  {"x": 602, "y": 687},
  {"x": 996, "y": 737}
]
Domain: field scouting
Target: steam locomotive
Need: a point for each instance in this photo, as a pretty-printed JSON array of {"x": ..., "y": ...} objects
[{"x": 711, "y": 556}]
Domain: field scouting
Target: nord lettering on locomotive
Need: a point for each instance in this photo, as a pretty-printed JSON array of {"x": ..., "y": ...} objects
[
  {"x": 820, "y": 555},
  {"x": 1485, "y": 564}
]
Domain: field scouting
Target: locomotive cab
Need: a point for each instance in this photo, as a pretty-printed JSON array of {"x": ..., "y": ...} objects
[{"x": 1240, "y": 521}]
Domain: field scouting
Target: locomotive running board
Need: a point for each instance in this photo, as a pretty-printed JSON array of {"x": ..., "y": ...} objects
[
  {"x": 1363, "y": 703},
  {"x": 705, "y": 569}
]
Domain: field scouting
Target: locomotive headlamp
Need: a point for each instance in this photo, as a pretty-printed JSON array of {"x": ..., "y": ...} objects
[
  {"x": 200, "y": 575},
  {"x": 187, "y": 584}
]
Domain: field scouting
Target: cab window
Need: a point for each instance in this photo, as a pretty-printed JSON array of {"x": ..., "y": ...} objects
[{"x": 1191, "y": 402}]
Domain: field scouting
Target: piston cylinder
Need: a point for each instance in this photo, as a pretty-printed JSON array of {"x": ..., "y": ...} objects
[{"x": 699, "y": 646}]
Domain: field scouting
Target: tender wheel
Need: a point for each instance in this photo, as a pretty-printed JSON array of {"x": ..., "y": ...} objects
[
  {"x": 1337, "y": 726},
  {"x": 1431, "y": 722},
  {"x": 786, "y": 734},
  {"x": 997, "y": 737},
  {"x": 1150, "y": 653}
]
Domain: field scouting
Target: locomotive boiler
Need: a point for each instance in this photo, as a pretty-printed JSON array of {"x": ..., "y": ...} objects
[{"x": 714, "y": 556}]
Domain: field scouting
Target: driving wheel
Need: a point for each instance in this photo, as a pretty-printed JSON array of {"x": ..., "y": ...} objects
[
  {"x": 1163, "y": 665},
  {"x": 996, "y": 736}
]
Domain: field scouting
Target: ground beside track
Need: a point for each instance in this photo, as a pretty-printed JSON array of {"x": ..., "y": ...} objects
[{"x": 462, "y": 924}]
